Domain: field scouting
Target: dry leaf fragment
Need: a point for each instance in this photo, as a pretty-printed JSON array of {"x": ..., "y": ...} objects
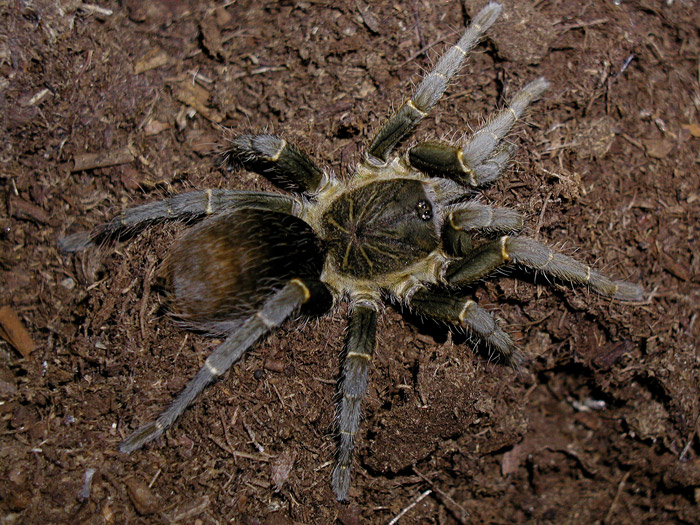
[
  {"x": 282, "y": 467},
  {"x": 196, "y": 97},
  {"x": 693, "y": 128},
  {"x": 13, "y": 331}
]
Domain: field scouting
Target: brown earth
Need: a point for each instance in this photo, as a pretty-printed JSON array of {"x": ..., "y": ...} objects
[{"x": 103, "y": 108}]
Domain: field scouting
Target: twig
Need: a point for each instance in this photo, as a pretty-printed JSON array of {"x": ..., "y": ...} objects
[
  {"x": 608, "y": 515},
  {"x": 457, "y": 510},
  {"x": 541, "y": 217},
  {"x": 423, "y": 50},
  {"x": 258, "y": 71},
  {"x": 96, "y": 9},
  {"x": 144, "y": 299},
  {"x": 251, "y": 434},
  {"x": 580, "y": 25},
  {"x": 690, "y": 438},
  {"x": 155, "y": 477},
  {"x": 625, "y": 65},
  {"x": 419, "y": 32},
  {"x": 265, "y": 458},
  {"x": 261, "y": 457},
  {"x": 410, "y": 506},
  {"x": 225, "y": 428},
  {"x": 536, "y": 321},
  {"x": 88, "y": 161},
  {"x": 632, "y": 141}
]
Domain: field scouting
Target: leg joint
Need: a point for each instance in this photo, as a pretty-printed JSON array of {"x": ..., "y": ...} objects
[
  {"x": 504, "y": 250},
  {"x": 468, "y": 304}
]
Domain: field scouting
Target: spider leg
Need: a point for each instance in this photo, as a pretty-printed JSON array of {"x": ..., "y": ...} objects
[
  {"x": 482, "y": 159},
  {"x": 283, "y": 164},
  {"x": 402, "y": 123},
  {"x": 464, "y": 219},
  {"x": 187, "y": 206},
  {"x": 482, "y": 144},
  {"x": 535, "y": 255},
  {"x": 467, "y": 314},
  {"x": 358, "y": 354},
  {"x": 271, "y": 315},
  {"x": 445, "y": 160}
]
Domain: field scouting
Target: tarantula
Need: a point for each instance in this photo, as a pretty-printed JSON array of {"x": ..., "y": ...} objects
[{"x": 407, "y": 229}]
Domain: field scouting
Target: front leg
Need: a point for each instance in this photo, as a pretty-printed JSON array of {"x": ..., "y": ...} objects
[
  {"x": 359, "y": 348},
  {"x": 401, "y": 124},
  {"x": 282, "y": 163},
  {"x": 445, "y": 160},
  {"x": 482, "y": 144},
  {"x": 485, "y": 155}
]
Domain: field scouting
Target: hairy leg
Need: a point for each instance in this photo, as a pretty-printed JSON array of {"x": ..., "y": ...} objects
[
  {"x": 272, "y": 314},
  {"x": 283, "y": 164},
  {"x": 402, "y": 123},
  {"x": 467, "y": 314},
  {"x": 537, "y": 256},
  {"x": 187, "y": 206},
  {"x": 484, "y": 156},
  {"x": 359, "y": 348},
  {"x": 482, "y": 144},
  {"x": 467, "y": 218},
  {"x": 445, "y": 160}
]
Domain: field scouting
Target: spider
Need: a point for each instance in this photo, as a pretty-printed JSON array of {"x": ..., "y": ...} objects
[{"x": 406, "y": 229}]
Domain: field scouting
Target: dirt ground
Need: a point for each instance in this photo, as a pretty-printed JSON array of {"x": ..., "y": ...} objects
[{"x": 108, "y": 106}]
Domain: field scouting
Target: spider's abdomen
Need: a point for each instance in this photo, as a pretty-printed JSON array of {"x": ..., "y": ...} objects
[
  {"x": 223, "y": 269},
  {"x": 380, "y": 228}
]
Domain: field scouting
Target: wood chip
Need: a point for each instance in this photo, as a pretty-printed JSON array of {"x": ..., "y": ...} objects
[
  {"x": 188, "y": 511},
  {"x": 88, "y": 161},
  {"x": 368, "y": 18},
  {"x": 676, "y": 268},
  {"x": 23, "y": 210},
  {"x": 658, "y": 148},
  {"x": 196, "y": 97},
  {"x": 211, "y": 36},
  {"x": 154, "y": 59},
  {"x": 275, "y": 365},
  {"x": 145, "y": 502},
  {"x": 510, "y": 462},
  {"x": 153, "y": 127},
  {"x": 13, "y": 331}
]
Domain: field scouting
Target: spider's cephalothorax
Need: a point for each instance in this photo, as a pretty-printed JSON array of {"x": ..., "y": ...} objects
[
  {"x": 380, "y": 227},
  {"x": 402, "y": 228}
]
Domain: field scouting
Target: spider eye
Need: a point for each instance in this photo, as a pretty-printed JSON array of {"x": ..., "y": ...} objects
[{"x": 424, "y": 210}]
